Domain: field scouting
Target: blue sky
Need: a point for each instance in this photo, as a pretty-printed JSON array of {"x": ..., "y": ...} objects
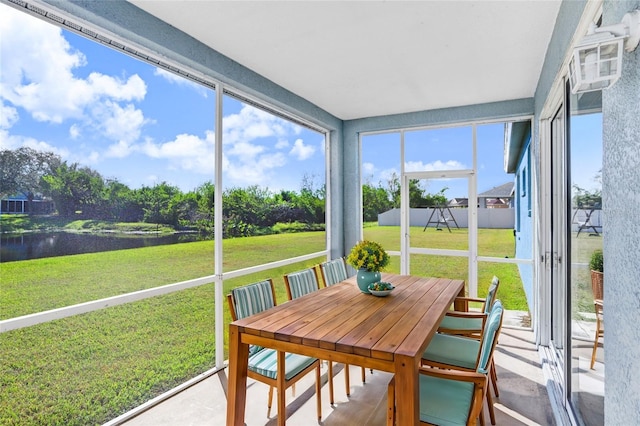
[
  {"x": 138, "y": 124},
  {"x": 133, "y": 122},
  {"x": 439, "y": 149}
]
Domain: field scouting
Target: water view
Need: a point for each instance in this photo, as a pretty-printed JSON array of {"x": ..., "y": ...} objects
[{"x": 27, "y": 246}]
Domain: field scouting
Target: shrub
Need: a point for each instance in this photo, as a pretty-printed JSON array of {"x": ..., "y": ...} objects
[{"x": 596, "y": 263}]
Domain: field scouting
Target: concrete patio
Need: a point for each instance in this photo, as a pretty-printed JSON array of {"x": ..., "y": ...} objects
[{"x": 523, "y": 394}]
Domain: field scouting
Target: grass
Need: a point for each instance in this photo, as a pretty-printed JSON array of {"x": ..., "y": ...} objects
[
  {"x": 491, "y": 242},
  {"x": 36, "y": 285},
  {"x": 16, "y": 223},
  {"x": 582, "y": 296},
  {"x": 93, "y": 367}
]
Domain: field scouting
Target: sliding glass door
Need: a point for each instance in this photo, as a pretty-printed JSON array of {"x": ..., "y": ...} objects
[
  {"x": 585, "y": 238},
  {"x": 573, "y": 244}
]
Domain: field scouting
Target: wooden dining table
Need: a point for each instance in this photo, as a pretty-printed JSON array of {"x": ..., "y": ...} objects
[{"x": 341, "y": 324}]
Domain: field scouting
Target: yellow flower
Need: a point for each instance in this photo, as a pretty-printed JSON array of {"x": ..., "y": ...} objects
[{"x": 368, "y": 255}]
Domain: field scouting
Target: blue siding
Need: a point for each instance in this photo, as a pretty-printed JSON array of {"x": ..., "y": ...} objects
[{"x": 524, "y": 222}]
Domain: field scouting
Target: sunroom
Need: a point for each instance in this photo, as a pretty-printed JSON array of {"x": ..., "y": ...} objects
[{"x": 406, "y": 79}]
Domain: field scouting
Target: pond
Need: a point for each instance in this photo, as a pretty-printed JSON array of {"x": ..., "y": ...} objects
[{"x": 38, "y": 245}]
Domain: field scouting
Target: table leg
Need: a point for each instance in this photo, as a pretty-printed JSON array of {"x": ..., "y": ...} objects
[
  {"x": 282, "y": 406},
  {"x": 237, "y": 390},
  {"x": 407, "y": 390},
  {"x": 461, "y": 305}
]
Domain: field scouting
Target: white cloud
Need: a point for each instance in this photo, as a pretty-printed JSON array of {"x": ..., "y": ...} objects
[
  {"x": 185, "y": 152},
  {"x": 248, "y": 162},
  {"x": 255, "y": 172},
  {"x": 301, "y": 151},
  {"x": 181, "y": 81},
  {"x": 368, "y": 169},
  {"x": 251, "y": 123},
  {"x": 8, "y": 116},
  {"x": 38, "y": 67},
  {"x": 419, "y": 166},
  {"x": 245, "y": 150},
  {"x": 122, "y": 124},
  {"x": 388, "y": 174},
  {"x": 9, "y": 141},
  {"x": 74, "y": 131},
  {"x": 120, "y": 149},
  {"x": 92, "y": 158},
  {"x": 282, "y": 144},
  {"x": 133, "y": 89}
]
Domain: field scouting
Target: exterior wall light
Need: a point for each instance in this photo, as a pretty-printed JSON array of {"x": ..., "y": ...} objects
[{"x": 597, "y": 59}]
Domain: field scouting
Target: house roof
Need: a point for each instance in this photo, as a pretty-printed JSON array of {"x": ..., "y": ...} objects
[
  {"x": 495, "y": 202},
  {"x": 517, "y": 136},
  {"x": 502, "y": 191},
  {"x": 364, "y": 59},
  {"x": 459, "y": 202}
]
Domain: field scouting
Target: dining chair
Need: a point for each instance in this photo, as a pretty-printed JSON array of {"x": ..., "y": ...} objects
[
  {"x": 264, "y": 363},
  {"x": 468, "y": 323},
  {"x": 299, "y": 284},
  {"x": 452, "y": 396},
  {"x": 459, "y": 352},
  {"x": 333, "y": 272},
  {"x": 599, "y": 307}
]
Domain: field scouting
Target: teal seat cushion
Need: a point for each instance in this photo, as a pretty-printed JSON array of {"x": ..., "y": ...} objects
[
  {"x": 265, "y": 363},
  {"x": 444, "y": 402},
  {"x": 492, "y": 328},
  {"x": 453, "y": 350},
  {"x": 491, "y": 294},
  {"x": 462, "y": 324}
]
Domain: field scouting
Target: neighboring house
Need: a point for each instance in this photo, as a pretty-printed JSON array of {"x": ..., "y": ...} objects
[
  {"x": 20, "y": 204},
  {"x": 517, "y": 161},
  {"x": 497, "y": 197},
  {"x": 459, "y": 202}
]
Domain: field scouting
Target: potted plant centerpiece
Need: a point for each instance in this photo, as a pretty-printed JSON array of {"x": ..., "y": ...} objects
[
  {"x": 596, "y": 263},
  {"x": 368, "y": 258}
]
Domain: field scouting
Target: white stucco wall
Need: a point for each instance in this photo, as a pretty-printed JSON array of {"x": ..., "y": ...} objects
[{"x": 621, "y": 203}]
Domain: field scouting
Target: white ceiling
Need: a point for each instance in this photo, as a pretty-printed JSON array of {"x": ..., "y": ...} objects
[{"x": 367, "y": 58}]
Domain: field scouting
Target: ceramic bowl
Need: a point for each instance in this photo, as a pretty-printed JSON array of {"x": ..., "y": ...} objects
[{"x": 381, "y": 288}]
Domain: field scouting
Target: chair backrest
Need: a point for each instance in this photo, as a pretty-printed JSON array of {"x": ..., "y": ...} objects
[
  {"x": 490, "y": 337},
  {"x": 333, "y": 271},
  {"x": 300, "y": 283},
  {"x": 491, "y": 294},
  {"x": 251, "y": 299}
]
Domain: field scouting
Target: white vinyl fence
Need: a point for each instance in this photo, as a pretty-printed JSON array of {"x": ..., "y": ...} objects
[{"x": 487, "y": 218}]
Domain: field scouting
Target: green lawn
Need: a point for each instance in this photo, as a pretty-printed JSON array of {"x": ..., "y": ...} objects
[
  {"x": 90, "y": 368},
  {"x": 491, "y": 242}
]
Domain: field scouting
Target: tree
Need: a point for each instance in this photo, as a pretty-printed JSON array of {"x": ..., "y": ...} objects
[
  {"x": 203, "y": 220},
  {"x": 119, "y": 203},
  {"x": 75, "y": 190},
  {"x": 393, "y": 188},
  {"x": 375, "y": 200},
  {"x": 589, "y": 198},
  {"x": 437, "y": 199},
  {"x": 417, "y": 197},
  {"x": 312, "y": 201},
  {"x": 245, "y": 209},
  {"x": 21, "y": 171},
  {"x": 158, "y": 204}
]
